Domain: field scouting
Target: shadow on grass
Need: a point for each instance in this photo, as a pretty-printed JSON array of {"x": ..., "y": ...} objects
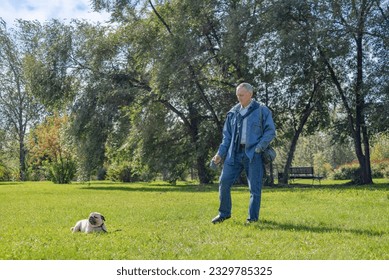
[
  {"x": 155, "y": 188},
  {"x": 167, "y": 188},
  {"x": 194, "y": 188},
  {"x": 338, "y": 187},
  {"x": 272, "y": 225},
  {"x": 7, "y": 183}
]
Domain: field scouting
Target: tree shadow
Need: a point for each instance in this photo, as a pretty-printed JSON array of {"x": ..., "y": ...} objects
[
  {"x": 198, "y": 188},
  {"x": 10, "y": 183},
  {"x": 272, "y": 225},
  {"x": 160, "y": 188},
  {"x": 338, "y": 187}
]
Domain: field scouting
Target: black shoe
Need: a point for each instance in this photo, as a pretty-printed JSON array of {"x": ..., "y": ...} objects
[
  {"x": 219, "y": 219},
  {"x": 249, "y": 221}
]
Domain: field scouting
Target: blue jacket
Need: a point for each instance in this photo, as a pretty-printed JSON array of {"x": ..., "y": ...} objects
[{"x": 255, "y": 137}]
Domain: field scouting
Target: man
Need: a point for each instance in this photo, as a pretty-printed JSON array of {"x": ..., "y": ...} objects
[{"x": 244, "y": 140}]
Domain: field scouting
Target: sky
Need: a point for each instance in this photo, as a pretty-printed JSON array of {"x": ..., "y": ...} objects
[{"x": 44, "y": 10}]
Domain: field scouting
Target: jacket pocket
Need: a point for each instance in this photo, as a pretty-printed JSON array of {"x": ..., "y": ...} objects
[{"x": 256, "y": 129}]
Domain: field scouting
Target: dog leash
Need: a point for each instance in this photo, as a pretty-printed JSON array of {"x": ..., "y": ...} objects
[{"x": 102, "y": 228}]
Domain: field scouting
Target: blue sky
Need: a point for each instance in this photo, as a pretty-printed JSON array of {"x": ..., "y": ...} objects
[{"x": 44, "y": 10}]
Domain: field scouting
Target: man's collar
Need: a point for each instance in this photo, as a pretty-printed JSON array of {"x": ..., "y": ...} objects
[
  {"x": 248, "y": 106},
  {"x": 252, "y": 106}
]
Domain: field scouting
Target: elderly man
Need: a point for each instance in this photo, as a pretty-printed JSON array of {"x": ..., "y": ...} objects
[{"x": 244, "y": 140}]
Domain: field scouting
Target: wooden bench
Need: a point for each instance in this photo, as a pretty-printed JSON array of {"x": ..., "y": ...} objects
[{"x": 303, "y": 173}]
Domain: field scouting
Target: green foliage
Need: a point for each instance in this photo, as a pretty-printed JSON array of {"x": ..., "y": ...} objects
[
  {"x": 158, "y": 221},
  {"x": 380, "y": 168},
  {"x": 172, "y": 66},
  {"x": 122, "y": 173},
  {"x": 320, "y": 151},
  {"x": 51, "y": 154},
  {"x": 62, "y": 171},
  {"x": 155, "y": 146},
  {"x": 380, "y": 148},
  {"x": 3, "y": 167},
  {"x": 46, "y": 65},
  {"x": 19, "y": 109},
  {"x": 346, "y": 172},
  {"x": 2, "y": 172},
  {"x": 351, "y": 171},
  {"x": 386, "y": 171}
]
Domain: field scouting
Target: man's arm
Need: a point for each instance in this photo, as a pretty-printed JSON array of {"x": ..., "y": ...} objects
[
  {"x": 227, "y": 134},
  {"x": 269, "y": 130}
]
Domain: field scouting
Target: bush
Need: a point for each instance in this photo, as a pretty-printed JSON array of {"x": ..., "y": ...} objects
[
  {"x": 379, "y": 168},
  {"x": 386, "y": 172},
  {"x": 61, "y": 172},
  {"x": 3, "y": 172},
  {"x": 345, "y": 172},
  {"x": 37, "y": 173},
  {"x": 7, "y": 174},
  {"x": 351, "y": 171},
  {"x": 122, "y": 172}
]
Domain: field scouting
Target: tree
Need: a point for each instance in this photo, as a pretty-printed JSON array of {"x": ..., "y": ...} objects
[
  {"x": 77, "y": 68},
  {"x": 356, "y": 29},
  {"x": 51, "y": 149},
  {"x": 196, "y": 53},
  {"x": 17, "y": 106},
  {"x": 303, "y": 104},
  {"x": 180, "y": 61},
  {"x": 341, "y": 37}
]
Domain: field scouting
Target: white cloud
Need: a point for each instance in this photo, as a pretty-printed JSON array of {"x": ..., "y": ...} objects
[{"x": 43, "y": 10}]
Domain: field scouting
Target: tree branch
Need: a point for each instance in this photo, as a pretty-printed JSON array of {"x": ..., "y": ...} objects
[
  {"x": 160, "y": 18},
  {"x": 339, "y": 88}
]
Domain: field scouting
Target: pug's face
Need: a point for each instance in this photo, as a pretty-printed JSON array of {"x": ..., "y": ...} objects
[{"x": 96, "y": 219}]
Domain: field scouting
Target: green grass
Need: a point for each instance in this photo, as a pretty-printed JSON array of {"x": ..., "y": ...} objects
[{"x": 160, "y": 221}]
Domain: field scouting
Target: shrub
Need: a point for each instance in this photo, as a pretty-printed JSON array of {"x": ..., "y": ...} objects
[
  {"x": 6, "y": 174},
  {"x": 386, "y": 172},
  {"x": 351, "y": 171},
  {"x": 379, "y": 168},
  {"x": 51, "y": 150},
  {"x": 37, "y": 173},
  {"x": 122, "y": 172},
  {"x": 345, "y": 172},
  {"x": 61, "y": 172},
  {"x": 2, "y": 171}
]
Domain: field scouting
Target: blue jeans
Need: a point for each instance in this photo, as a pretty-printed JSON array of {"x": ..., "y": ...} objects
[{"x": 254, "y": 171}]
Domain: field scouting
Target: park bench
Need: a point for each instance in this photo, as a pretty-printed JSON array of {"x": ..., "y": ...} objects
[{"x": 303, "y": 173}]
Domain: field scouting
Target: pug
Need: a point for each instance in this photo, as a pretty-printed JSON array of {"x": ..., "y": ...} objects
[{"x": 95, "y": 223}]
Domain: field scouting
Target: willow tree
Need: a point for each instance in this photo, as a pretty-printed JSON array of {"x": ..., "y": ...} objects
[
  {"x": 18, "y": 108},
  {"x": 196, "y": 52}
]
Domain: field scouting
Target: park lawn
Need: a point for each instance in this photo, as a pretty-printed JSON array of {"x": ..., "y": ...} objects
[{"x": 148, "y": 221}]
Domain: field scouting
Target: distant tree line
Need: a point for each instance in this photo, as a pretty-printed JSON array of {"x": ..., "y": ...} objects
[{"x": 146, "y": 94}]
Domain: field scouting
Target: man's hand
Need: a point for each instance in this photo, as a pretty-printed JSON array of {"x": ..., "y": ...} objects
[{"x": 217, "y": 159}]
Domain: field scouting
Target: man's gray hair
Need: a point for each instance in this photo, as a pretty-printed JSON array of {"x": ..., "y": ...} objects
[{"x": 247, "y": 86}]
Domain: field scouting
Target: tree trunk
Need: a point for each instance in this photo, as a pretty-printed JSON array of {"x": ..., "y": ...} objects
[
  {"x": 361, "y": 135},
  {"x": 292, "y": 149},
  {"x": 304, "y": 118},
  {"x": 202, "y": 172},
  {"x": 22, "y": 161},
  {"x": 355, "y": 124},
  {"x": 200, "y": 153}
]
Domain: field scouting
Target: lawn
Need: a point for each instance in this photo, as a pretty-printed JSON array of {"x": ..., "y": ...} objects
[{"x": 148, "y": 221}]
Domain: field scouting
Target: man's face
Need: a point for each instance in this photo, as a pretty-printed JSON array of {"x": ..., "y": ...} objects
[{"x": 244, "y": 96}]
